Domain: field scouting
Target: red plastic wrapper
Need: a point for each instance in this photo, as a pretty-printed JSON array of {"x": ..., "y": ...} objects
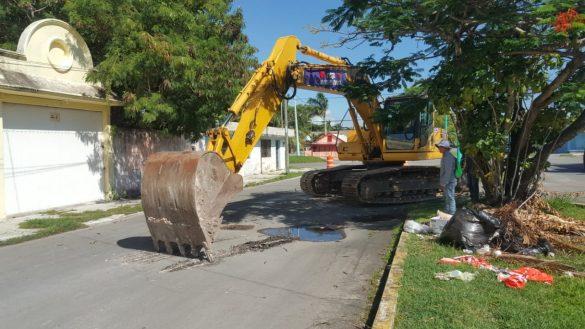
[
  {"x": 512, "y": 280},
  {"x": 533, "y": 274}
]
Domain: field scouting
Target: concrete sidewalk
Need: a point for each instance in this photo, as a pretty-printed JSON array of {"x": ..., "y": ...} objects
[{"x": 9, "y": 227}]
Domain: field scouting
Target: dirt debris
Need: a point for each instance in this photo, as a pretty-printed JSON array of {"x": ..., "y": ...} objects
[
  {"x": 259, "y": 245},
  {"x": 249, "y": 246},
  {"x": 182, "y": 265},
  {"x": 237, "y": 227}
]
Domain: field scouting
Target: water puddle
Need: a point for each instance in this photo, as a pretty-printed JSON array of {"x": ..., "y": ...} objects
[{"x": 307, "y": 233}]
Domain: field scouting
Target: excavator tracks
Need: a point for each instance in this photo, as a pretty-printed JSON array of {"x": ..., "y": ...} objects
[
  {"x": 325, "y": 182},
  {"x": 386, "y": 185},
  {"x": 392, "y": 185}
]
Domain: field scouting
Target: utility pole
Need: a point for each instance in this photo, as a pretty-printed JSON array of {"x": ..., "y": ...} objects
[
  {"x": 297, "y": 130},
  {"x": 446, "y": 127},
  {"x": 286, "y": 169}
]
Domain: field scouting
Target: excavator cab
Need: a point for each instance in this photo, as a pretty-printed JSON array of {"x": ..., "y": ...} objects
[{"x": 410, "y": 131}]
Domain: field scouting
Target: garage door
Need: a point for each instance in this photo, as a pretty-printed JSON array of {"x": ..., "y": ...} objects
[{"x": 52, "y": 157}]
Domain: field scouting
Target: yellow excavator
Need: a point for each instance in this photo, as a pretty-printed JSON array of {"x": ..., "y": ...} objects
[{"x": 184, "y": 193}]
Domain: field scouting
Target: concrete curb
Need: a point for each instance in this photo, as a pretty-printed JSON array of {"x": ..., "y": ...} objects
[{"x": 387, "y": 309}]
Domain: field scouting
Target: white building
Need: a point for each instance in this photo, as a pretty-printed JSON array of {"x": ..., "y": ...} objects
[
  {"x": 54, "y": 126},
  {"x": 268, "y": 155}
]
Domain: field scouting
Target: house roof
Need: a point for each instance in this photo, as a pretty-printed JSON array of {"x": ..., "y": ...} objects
[
  {"x": 52, "y": 59},
  {"x": 32, "y": 83},
  {"x": 322, "y": 139},
  {"x": 268, "y": 132}
]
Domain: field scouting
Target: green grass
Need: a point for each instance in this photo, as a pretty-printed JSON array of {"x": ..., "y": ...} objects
[
  {"x": 424, "y": 302},
  {"x": 565, "y": 206},
  {"x": 304, "y": 159},
  {"x": 275, "y": 179},
  {"x": 67, "y": 221}
]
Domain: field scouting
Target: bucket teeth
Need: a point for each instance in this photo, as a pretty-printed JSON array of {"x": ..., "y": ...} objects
[
  {"x": 183, "y": 195},
  {"x": 169, "y": 247}
]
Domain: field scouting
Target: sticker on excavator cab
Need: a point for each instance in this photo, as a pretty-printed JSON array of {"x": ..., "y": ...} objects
[{"x": 325, "y": 78}]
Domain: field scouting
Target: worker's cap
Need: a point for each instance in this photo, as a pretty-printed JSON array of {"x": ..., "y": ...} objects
[{"x": 444, "y": 144}]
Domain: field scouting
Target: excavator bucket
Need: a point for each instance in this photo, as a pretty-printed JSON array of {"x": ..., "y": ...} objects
[{"x": 183, "y": 195}]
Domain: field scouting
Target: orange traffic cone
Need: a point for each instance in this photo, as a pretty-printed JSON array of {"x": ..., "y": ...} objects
[{"x": 330, "y": 161}]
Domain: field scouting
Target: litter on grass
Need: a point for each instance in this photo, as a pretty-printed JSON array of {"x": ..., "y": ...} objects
[
  {"x": 457, "y": 275},
  {"x": 438, "y": 222},
  {"x": 411, "y": 226},
  {"x": 434, "y": 227},
  {"x": 518, "y": 278},
  {"x": 511, "y": 278}
]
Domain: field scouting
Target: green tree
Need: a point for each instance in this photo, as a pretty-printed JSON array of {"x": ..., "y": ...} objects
[
  {"x": 510, "y": 74},
  {"x": 16, "y": 15},
  {"x": 305, "y": 115},
  {"x": 177, "y": 64},
  {"x": 320, "y": 103}
]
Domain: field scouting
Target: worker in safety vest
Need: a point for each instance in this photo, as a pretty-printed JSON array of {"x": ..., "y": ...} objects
[{"x": 448, "y": 177}]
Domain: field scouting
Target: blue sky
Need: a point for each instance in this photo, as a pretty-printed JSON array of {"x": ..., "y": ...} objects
[{"x": 267, "y": 20}]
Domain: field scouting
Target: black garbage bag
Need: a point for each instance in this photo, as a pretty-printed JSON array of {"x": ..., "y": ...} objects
[{"x": 470, "y": 229}]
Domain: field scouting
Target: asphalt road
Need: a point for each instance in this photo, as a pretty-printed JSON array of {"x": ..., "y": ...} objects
[
  {"x": 108, "y": 276},
  {"x": 566, "y": 174}
]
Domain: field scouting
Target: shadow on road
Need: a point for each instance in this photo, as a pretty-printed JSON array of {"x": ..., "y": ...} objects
[
  {"x": 143, "y": 243},
  {"x": 567, "y": 168},
  {"x": 297, "y": 208}
]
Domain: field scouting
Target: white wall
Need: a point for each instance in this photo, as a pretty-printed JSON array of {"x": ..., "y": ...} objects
[
  {"x": 257, "y": 165},
  {"x": 252, "y": 164},
  {"x": 49, "y": 163},
  {"x": 282, "y": 154}
]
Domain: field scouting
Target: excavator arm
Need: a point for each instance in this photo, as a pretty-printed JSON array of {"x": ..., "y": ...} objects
[
  {"x": 260, "y": 99},
  {"x": 254, "y": 106}
]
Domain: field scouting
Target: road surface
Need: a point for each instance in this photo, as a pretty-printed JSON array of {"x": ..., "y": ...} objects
[
  {"x": 108, "y": 276},
  {"x": 566, "y": 174}
]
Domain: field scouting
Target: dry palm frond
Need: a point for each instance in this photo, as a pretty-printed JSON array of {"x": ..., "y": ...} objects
[{"x": 536, "y": 220}]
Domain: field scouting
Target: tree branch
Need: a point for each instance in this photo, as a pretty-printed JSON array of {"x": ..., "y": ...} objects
[
  {"x": 544, "y": 99},
  {"x": 538, "y": 53},
  {"x": 566, "y": 134},
  {"x": 545, "y": 96}
]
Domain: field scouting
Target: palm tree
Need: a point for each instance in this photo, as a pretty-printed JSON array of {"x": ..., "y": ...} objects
[{"x": 320, "y": 104}]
